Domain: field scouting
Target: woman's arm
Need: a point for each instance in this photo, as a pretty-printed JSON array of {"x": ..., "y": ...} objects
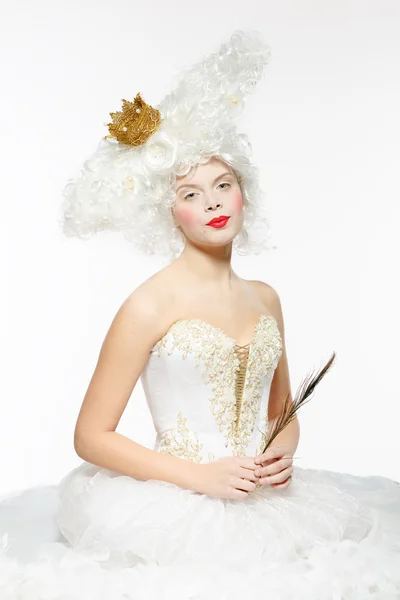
[
  {"x": 280, "y": 386},
  {"x": 136, "y": 327}
]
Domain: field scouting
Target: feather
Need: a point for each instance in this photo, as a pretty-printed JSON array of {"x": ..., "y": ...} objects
[{"x": 303, "y": 395}]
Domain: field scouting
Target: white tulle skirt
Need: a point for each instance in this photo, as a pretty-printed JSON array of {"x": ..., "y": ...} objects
[{"x": 102, "y": 536}]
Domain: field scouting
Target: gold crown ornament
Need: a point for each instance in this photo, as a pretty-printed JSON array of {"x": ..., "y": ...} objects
[{"x": 135, "y": 124}]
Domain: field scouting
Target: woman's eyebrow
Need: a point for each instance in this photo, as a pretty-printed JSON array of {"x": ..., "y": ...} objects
[{"x": 194, "y": 185}]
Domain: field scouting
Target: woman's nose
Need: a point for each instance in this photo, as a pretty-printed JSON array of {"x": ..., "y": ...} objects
[{"x": 213, "y": 204}]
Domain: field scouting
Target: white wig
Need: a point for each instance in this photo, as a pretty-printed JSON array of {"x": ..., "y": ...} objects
[{"x": 131, "y": 189}]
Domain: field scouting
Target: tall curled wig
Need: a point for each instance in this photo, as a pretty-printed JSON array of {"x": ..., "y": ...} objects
[{"x": 131, "y": 189}]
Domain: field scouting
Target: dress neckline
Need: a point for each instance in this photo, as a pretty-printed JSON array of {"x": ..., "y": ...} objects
[{"x": 221, "y": 331}]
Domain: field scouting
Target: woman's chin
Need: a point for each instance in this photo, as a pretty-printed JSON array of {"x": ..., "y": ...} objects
[
  {"x": 213, "y": 242},
  {"x": 217, "y": 237}
]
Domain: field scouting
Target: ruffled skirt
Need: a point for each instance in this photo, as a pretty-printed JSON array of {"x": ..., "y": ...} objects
[{"x": 100, "y": 535}]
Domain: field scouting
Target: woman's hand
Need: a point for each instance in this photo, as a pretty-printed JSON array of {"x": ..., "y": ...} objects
[
  {"x": 228, "y": 477},
  {"x": 275, "y": 467}
]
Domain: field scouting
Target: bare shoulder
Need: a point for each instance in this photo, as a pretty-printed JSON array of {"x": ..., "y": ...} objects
[
  {"x": 147, "y": 307},
  {"x": 271, "y": 300},
  {"x": 268, "y": 296}
]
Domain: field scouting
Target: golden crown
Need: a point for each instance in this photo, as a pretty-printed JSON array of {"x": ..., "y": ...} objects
[{"x": 135, "y": 123}]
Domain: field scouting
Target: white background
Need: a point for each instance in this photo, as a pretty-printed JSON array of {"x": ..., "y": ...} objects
[{"x": 325, "y": 129}]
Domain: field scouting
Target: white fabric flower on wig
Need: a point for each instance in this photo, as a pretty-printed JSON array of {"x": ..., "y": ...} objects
[{"x": 159, "y": 153}]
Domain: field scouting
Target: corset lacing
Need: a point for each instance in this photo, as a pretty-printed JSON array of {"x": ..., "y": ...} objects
[{"x": 242, "y": 353}]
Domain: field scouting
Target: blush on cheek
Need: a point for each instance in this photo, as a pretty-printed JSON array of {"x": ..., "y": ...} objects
[
  {"x": 238, "y": 202},
  {"x": 187, "y": 217}
]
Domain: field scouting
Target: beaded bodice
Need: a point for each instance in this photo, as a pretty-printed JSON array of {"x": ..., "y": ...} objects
[{"x": 208, "y": 396}]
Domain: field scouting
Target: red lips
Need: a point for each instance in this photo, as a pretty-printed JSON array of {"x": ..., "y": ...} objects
[{"x": 218, "y": 221}]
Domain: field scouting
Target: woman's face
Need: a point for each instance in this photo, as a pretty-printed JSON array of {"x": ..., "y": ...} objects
[{"x": 209, "y": 191}]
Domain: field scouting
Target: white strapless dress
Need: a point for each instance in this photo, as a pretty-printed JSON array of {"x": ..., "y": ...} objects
[{"x": 102, "y": 536}]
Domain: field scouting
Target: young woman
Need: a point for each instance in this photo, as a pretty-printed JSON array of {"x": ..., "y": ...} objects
[{"x": 206, "y": 513}]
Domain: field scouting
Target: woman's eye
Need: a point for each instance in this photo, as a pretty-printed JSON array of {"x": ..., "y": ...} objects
[{"x": 191, "y": 195}]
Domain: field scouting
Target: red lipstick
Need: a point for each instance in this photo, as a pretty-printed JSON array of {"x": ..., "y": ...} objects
[{"x": 218, "y": 222}]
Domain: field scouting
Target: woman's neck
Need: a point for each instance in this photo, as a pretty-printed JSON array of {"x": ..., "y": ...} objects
[{"x": 208, "y": 264}]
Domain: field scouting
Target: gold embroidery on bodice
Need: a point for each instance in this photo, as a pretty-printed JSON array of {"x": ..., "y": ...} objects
[
  {"x": 182, "y": 442},
  {"x": 234, "y": 372}
]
